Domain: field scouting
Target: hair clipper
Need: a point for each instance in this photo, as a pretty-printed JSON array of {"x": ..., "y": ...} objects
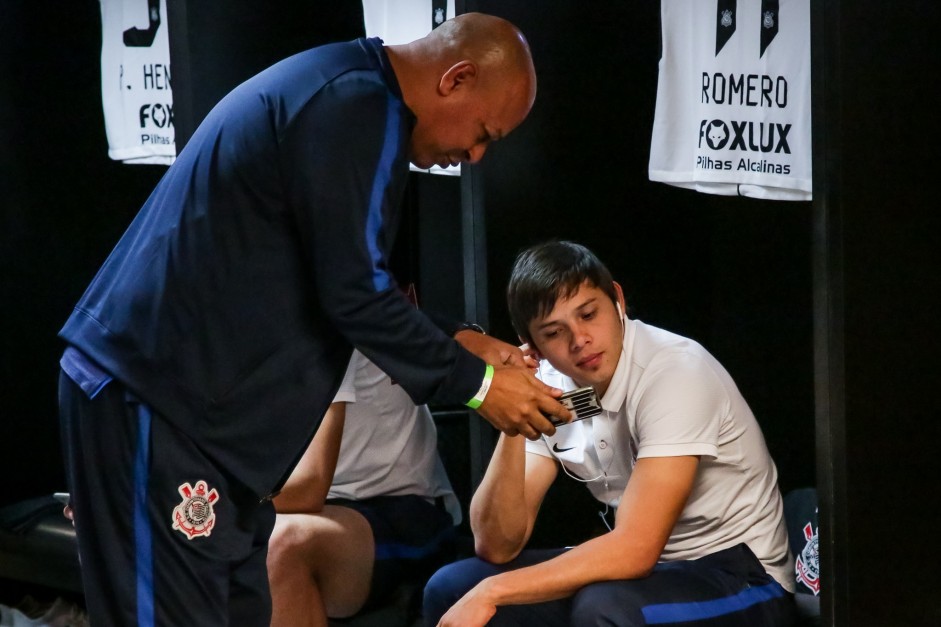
[{"x": 583, "y": 403}]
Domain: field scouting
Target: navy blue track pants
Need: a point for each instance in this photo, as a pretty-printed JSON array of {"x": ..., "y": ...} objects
[
  {"x": 728, "y": 588},
  {"x": 164, "y": 537}
]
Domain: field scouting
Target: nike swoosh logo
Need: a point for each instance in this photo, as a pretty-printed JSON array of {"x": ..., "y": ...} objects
[{"x": 555, "y": 447}]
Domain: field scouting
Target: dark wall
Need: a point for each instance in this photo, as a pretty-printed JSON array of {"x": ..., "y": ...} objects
[
  {"x": 879, "y": 298},
  {"x": 218, "y": 44},
  {"x": 64, "y": 204}
]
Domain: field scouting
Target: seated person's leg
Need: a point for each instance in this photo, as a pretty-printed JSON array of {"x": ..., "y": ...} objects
[
  {"x": 451, "y": 582},
  {"x": 319, "y": 565},
  {"x": 339, "y": 556},
  {"x": 728, "y": 588},
  {"x": 351, "y": 556},
  {"x": 412, "y": 538}
]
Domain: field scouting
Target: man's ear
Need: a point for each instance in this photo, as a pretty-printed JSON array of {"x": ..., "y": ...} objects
[
  {"x": 529, "y": 349},
  {"x": 619, "y": 293},
  {"x": 459, "y": 75}
]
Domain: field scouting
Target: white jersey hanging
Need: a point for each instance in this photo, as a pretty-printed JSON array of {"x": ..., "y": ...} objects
[
  {"x": 135, "y": 81},
  {"x": 733, "y": 98},
  {"x": 402, "y": 21}
]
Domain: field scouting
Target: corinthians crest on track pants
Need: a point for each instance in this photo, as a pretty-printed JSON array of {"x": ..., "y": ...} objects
[{"x": 159, "y": 533}]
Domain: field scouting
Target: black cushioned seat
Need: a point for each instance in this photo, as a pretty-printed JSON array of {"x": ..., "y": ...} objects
[{"x": 37, "y": 545}]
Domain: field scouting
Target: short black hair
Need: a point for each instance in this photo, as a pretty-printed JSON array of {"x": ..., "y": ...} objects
[{"x": 545, "y": 273}]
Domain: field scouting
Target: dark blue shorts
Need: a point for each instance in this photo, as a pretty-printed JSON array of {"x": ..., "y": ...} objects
[
  {"x": 728, "y": 588},
  {"x": 164, "y": 536},
  {"x": 413, "y": 538}
]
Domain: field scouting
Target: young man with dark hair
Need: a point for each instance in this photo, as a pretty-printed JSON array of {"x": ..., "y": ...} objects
[{"x": 676, "y": 458}]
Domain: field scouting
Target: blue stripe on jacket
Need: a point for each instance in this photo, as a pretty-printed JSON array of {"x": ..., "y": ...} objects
[
  {"x": 390, "y": 147},
  {"x": 143, "y": 535}
]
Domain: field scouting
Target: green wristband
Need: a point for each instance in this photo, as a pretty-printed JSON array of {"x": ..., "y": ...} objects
[{"x": 475, "y": 402}]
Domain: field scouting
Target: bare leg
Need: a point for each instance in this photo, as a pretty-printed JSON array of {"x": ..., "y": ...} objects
[{"x": 319, "y": 565}]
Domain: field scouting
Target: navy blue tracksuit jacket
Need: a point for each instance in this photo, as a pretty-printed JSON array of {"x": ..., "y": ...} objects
[{"x": 231, "y": 303}]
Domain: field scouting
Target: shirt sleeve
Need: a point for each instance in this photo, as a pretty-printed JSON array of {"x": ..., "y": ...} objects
[
  {"x": 680, "y": 408},
  {"x": 347, "y": 391},
  {"x": 345, "y": 189},
  {"x": 538, "y": 447}
]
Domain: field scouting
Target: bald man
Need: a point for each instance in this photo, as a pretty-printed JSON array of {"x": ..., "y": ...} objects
[
  {"x": 469, "y": 83},
  {"x": 224, "y": 318}
]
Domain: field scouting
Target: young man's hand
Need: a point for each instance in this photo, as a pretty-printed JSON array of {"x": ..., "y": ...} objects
[{"x": 472, "y": 610}]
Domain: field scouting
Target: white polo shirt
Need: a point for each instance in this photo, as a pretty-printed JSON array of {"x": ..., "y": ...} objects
[
  {"x": 390, "y": 445},
  {"x": 670, "y": 397}
]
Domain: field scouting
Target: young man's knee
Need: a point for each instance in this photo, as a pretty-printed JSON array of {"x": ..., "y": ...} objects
[
  {"x": 283, "y": 544},
  {"x": 449, "y": 584},
  {"x": 442, "y": 587}
]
